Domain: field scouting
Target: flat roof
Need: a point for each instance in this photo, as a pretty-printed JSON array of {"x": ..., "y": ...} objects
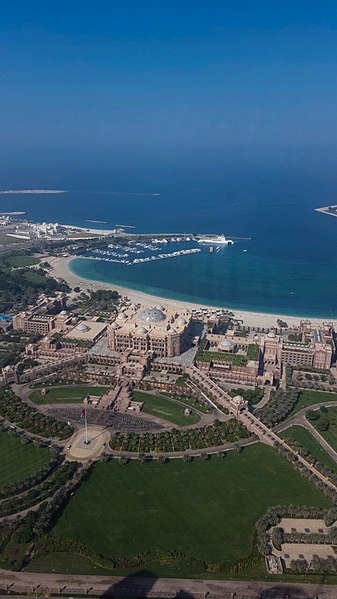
[{"x": 94, "y": 329}]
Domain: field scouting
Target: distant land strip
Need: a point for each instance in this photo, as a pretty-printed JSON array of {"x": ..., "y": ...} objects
[
  {"x": 31, "y": 191},
  {"x": 330, "y": 210}
]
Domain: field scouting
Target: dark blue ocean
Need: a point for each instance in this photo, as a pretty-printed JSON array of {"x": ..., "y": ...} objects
[{"x": 290, "y": 266}]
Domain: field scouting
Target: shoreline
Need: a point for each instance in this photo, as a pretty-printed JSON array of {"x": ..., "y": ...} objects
[{"x": 60, "y": 270}]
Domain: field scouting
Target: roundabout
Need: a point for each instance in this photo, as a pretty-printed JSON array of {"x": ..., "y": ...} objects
[{"x": 87, "y": 445}]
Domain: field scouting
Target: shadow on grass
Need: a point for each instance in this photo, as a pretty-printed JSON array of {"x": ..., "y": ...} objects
[
  {"x": 283, "y": 591},
  {"x": 139, "y": 585}
]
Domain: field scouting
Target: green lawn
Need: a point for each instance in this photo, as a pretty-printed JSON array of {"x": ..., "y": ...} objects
[
  {"x": 331, "y": 434},
  {"x": 34, "y": 277},
  {"x": 205, "y": 509},
  {"x": 66, "y": 563},
  {"x": 166, "y": 409},
  {"x": 20, "y": 261},
  {"x": 68, "y": 394},
  {"x": 301, "y": 435},
  {"x": 208, "y": 356},
  {"x": 19, "y": 461},
  {"x": 309, "y": 398}
]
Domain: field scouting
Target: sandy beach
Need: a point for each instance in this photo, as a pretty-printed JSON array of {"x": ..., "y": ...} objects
[{"x": 60, "y": 270}]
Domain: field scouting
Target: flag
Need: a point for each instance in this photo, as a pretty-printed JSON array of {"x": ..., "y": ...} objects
[{"x": 83, "y": 413}]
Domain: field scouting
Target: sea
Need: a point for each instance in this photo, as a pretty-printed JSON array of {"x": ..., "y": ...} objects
[{"x": 287, "y": 263}]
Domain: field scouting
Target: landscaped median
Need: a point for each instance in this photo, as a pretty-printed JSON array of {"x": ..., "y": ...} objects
[
  {"x": 325, "y": 421},
  {"x": 300, "y": 438},
  {"x": 216, "y": 435}
]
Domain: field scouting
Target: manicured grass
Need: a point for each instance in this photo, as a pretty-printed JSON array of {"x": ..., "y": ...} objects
[
  {"x": 19, "y": 461},
  {"x": 309, "y": 398},
  {"x": 66, "y": 563},
  {"x": 69, "y": 394},
  {"x": 331, "y": 434},
  {"x": 301, "y": 435},
  {"x": 166, "y": 409},
  {"x": 205, "y": 509},
  {"x": 20, "y": 261},
  {"x": 34, "y": 277},
  {"x": 208, "y": 356}
]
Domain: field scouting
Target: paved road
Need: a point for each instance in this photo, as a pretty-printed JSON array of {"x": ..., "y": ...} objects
[
  {"x": 113, "y": 586},
  {"x": 292, "y": 419},
  {"x": 264, "y": 400},
  {"x": 299, "y": 419}
]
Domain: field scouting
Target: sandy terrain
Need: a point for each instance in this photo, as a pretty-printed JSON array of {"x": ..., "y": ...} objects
[{"x": 60, "y": 269}]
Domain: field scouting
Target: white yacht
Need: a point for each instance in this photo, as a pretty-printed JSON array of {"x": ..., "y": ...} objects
[{"x": 218, "y": 240}]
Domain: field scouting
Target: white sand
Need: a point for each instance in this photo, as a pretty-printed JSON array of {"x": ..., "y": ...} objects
[{"x": 60, "y": 270}]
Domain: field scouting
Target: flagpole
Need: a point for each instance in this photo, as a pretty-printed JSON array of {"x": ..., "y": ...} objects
[
  {"x": 86, "y": 426},
  {"x": 85, "y": 421}
]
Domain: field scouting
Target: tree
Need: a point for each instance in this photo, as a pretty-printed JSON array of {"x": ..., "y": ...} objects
[{"x": 204, "y": 456}]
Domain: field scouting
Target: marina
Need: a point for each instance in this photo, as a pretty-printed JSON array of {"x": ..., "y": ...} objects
[
  {"x": 134, "y": 251},
  {"x": 123, "y": 258}
]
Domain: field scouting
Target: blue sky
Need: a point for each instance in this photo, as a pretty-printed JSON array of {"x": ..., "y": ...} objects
[{"x": 86, "y": 78}]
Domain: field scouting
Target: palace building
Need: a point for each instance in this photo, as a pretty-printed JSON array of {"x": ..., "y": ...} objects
[{"x": 166, "y": 332}]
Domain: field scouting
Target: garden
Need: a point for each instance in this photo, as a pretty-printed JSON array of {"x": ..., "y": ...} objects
[
  {"x": 24, "y": 416},
  {"x": 214, "y": 435}
]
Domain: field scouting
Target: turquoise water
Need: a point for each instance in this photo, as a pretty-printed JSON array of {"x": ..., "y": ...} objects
[
  {"x": 231, "y": 278},
  {"x": 290, "y": 266}
]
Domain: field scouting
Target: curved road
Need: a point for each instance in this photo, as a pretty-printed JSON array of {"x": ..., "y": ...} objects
[{"x": 299, "y": 419}]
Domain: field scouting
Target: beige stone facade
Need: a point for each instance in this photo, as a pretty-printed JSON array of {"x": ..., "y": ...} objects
[
  {"x": 165, "y": 332},
  {"x": 316, "y": 349}
]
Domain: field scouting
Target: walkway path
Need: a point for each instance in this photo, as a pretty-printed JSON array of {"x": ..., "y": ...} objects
[
  {"x": 264, "y": 400},
  {"x": 114, "y": 586}
]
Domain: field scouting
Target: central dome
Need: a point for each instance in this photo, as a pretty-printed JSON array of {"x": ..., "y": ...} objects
[
  {"x": 82, "y": 327},
  {"x": 151, "y": 315},
  {"x": 226, "y": 343}
]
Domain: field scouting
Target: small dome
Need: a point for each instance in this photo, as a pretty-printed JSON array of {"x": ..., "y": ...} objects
[
  {"x": 151, "y": 315},
  {"x": 114, "y": 325},
  {"x": 63, "y": 313},
  {"x": 271, "y": 335},
  {"x": 82, "y": 327},
  {"x": 141, "y": 330},
  {"x": 181, "y": 321},
  {"x": 226, "y": 343},
  {"x": 159, "y": 307},
  {"x": 172, "y": 332},
  {"x": 122, "y": 316}
]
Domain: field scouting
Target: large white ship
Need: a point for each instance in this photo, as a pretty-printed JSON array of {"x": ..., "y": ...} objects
[{"x": 217, "y": 240}]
